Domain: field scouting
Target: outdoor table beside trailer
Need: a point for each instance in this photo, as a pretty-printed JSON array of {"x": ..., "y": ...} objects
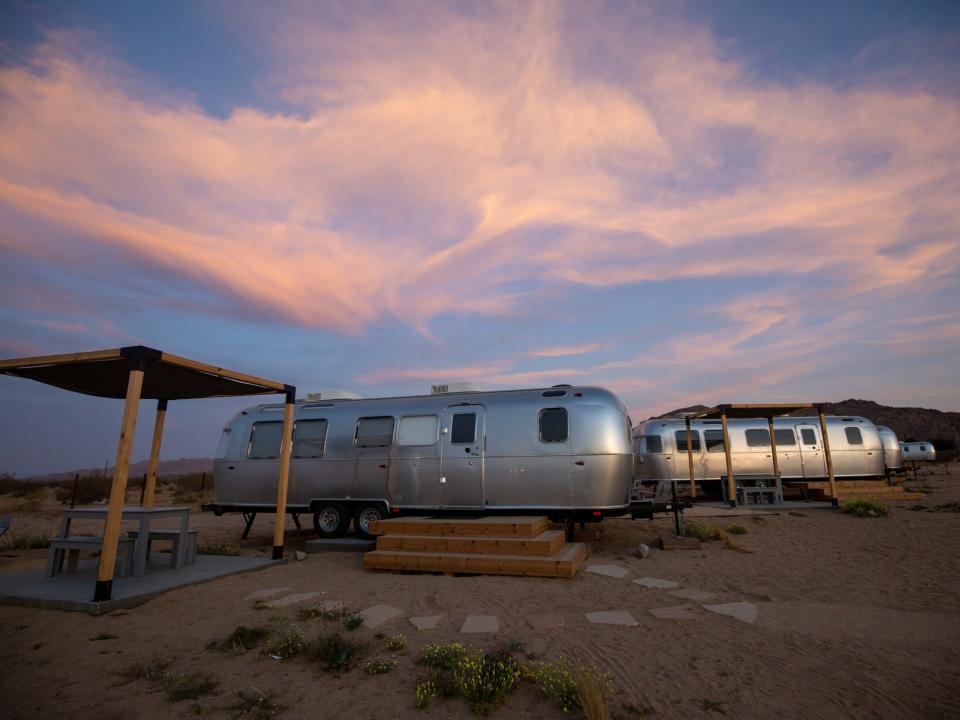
[{"x": 144, "y": 516}]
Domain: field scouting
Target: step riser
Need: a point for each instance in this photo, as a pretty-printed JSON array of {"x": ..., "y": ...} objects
[
  {"x": 479, "y": 546},
  {"x": 523, "y": 566},
  {"x": 453, "y": 527}
]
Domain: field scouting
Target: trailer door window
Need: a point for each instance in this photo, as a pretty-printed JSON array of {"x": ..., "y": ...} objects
[
  {"x": 224, "y": 446},
  {"x": 853, "y": 436},
  {"x": 758, "y": 438},
  {"x": 713, "y": 439},
  {"x": 785, "y": 437},
  {"x": 309, "y": 437},
  {"x": 417, "y": 430},
  {"x": 654, "y": 443},
  {"x": 681, "y": 436},
  {"x": 553, "y": 425},
  {"x": 809, "y": 436},
  {"x": 463, "y": 428},
  {"x": 265, "y": 441},
  {"x": 374, "y": 432}
]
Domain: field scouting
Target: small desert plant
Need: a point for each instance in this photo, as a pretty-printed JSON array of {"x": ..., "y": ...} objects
[
  {"x": 286, "y": 640},
  {"x": 241, "y": 639},
  {"x": 711, "y": 706},
  {"x": 485, "y": 680},
  {"x": 515, "y": 646},
  {"x": 323, "y": 612},
  {"x": 737, "y": 530},
  {"x": 864, "y": 508},
  {"x": 948, "y": 507},
  {"x": 191, "y": 687},
  {"x": 377, "y": 666},
  {"x": 29, "y": 541},
  {"x": 443, "y": 657},
  {"x": 103, "y": 636},
  {"x": 219, "y": 549},
  {"x": 706, "y": 533},
  {"x": 593, "y": 692},
  {"x": 353, "y": 621},
  {"x": 257, "y": 705},
  {"x": 334, "y": 652},
  {"x": 396, "y": 643},
  {"x": 154, "y": 669},
  {"x": 557, "y": 682},
  {"x": 259, "y": 605}
]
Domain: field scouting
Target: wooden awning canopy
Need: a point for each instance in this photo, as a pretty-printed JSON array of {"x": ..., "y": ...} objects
[
  {"x": 135, "y": 372},
  {"x": 104, "y": 373},
  {"x": 755, "y": 410}
]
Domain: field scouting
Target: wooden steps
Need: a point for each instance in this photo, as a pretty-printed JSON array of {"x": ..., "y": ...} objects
[
  {"x": 487, "y": 546},
  {"x": 857, "y": 490}
]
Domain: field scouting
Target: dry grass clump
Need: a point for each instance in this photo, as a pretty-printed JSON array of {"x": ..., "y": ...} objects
[
  {"x": 864, "y": 508},
  {"x": 708, "y": 533}
]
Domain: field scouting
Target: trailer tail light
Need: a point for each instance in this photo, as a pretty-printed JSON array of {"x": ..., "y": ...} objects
[
  {"x": 597, "y": 513},
  {"x": 579, "y": 462},
  {"x": 394, "y": 510}
]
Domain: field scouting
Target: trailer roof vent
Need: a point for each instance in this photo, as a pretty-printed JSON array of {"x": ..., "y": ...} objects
[
  {"x": 456, "y": 387},
  {"x": 554, "y": 393},
  {"x": 333, "y": 394}
]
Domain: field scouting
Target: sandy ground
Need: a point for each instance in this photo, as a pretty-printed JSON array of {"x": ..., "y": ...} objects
[{"x": 858, "y": 618}]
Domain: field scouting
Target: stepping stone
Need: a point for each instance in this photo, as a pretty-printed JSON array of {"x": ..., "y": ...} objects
[
  {"x": 545, "y": 620},
  {"x": 378, "y": 615},
  {"x": 481, "y": 624},
  {"x": 743, "y": 611},
  {"x": 426, "y": 622},
  {"x": 678, "y": 612},
  {"x": 700, "y": 596},
  {"x": 612, "y": 617},
  {"x": 288, "y": 600},
  {"x": 264, "y": 594},
  {"x": 652, "y": 582},
  {"x": 608, "y": 570}
]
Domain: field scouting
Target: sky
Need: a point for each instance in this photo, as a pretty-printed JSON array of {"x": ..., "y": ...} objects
[{"x": 684, "y": 202}]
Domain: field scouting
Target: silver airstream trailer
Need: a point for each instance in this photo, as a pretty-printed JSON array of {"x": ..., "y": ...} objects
[
  {"x": 563, "y": 451},
  {"x": 856, "y": 447},
  {"x": 918, "y": 451},
  {"x": 892, "y": 453}
]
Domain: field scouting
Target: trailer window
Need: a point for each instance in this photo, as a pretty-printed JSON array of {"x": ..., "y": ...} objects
[
  {"x": 374, "y": 432},
  {"x": 223, "y": 447},
  {"x": 853, "y": 436},
  {"x": 654, "y": 443},
  {"x": 265, "y": 441},
  {"x": 785, "y": 437},
  {"x": 681, "y": 436},
  {"x": 309, "y": 437},
  {"x": 553, "y": 425},
  {"x": 463, "y": 428},
  {"x": 758, "y": 438},
  {"x": 713, "y": 439},
  {"x": 809, "y": 436},
  {"x": 418, "y": 430}
]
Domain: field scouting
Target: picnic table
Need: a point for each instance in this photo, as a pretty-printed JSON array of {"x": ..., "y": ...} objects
[{"x": 144, "y": 516}]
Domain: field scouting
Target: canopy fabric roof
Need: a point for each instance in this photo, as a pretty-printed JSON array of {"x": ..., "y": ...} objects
[
  {"x": 759, "y": 410},
  {"x": 104, "y": 373}
]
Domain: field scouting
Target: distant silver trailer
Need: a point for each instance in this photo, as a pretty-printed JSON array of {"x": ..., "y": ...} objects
[
  {"x": 856, "y": 447},
  {"x": 564, "y": 452},
  {"x": 918, "y": 451},
  {"x": 892, "y": 452}
]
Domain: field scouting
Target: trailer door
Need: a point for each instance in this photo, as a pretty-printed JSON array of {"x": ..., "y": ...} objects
[
  {"x": 811, "y": 452},
  {"x": 462, "y": 457}
]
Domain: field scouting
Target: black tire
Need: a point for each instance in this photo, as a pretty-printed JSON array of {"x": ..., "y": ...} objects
[
  {"x": 366, "y": 514},
  {"x": 331, "y": 520}
]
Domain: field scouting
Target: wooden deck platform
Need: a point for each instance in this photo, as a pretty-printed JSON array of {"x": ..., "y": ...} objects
[
  {"x": 487, "y": 546},
  {"x": 857, "y": 489}
]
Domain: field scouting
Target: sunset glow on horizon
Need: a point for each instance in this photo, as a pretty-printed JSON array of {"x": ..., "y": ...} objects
[{"x": 681, "y": 202}]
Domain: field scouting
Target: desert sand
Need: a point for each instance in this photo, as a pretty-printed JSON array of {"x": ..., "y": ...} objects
[{"x": 856, "y": 618}]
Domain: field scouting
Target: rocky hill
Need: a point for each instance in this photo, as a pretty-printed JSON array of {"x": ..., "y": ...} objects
[{"x": 909, "y": 423}]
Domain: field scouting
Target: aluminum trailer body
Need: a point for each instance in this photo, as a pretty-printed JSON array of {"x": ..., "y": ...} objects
[
  {"x": 564, "y": 452},
  {"x": 856, "y": 447},
  {"x": 918, "y": 451},
  {"x": 892, "y": 452}
]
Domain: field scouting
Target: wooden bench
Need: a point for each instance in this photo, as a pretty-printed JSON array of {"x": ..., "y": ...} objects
[
  {"x": 70, "y": 547},
  {"x": 172, "y": 536}
]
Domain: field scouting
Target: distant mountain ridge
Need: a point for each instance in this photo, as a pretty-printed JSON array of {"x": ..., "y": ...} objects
[
  {"x": 181, "y": 466},
  {"x": 909, "y": 423}
]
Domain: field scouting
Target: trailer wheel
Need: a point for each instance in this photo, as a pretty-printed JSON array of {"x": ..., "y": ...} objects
[
  {"x": 364, "y": 516},
  {"x": 331, "y": 521}
]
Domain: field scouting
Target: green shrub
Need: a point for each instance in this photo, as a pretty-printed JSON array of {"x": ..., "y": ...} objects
[
  {"x": 334, "y": 652},
  {"x": 864, "y": 508},
  {"x": 286, "y": 640},
  {"x": 353, "y": 621},
  {"x": 485, "y": 680},
  {"x": 737, "y": 530},
  {"x": 443, "y": 657},
  {"x": 703, "y": 533},
  {"x": 90, "y": 489},
  {"x": 556, "y": 681}
]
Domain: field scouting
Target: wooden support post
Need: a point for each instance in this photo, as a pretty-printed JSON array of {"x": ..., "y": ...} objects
[
  {"x": 203, "y": 483},
  {"x": 76, "y": 487},
  {"x": 151, "y": 483},
  {"x": 118, "y": 490},
  {"x": 826, "y": 452},
  {"x": 286, "y": 448},
  {"x": 693, "y": 480},
  {"x": 773, "y": 448},
  {"x": 731, "y": 485}
]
